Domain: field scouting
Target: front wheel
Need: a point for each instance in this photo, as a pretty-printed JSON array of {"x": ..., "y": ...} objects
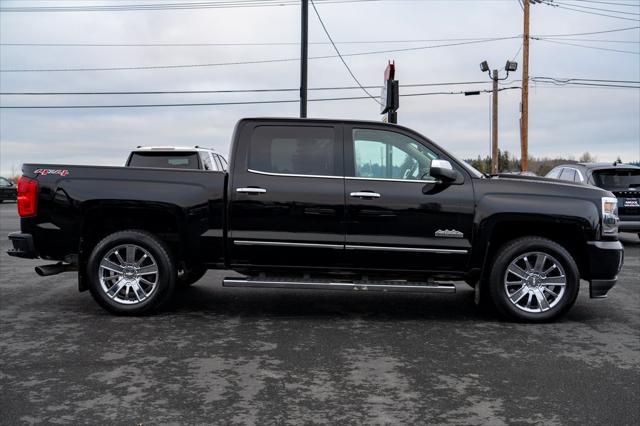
[
  {"x": 131, "y": 273},
  {"x": 533, "y": 279}
]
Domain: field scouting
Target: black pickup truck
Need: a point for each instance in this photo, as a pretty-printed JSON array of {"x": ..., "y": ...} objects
[{"x": 322, "y": 204}]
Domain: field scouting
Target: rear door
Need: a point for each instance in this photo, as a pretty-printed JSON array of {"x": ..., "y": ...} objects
[
  {"x": 287, "y": 195},
  {"x": 398, "y": 216}
]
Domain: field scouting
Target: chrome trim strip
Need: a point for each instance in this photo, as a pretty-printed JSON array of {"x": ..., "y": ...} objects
[
  {"x": 293, "y": 175},
  {"x": 392, "y": 180},
  {"x": 357, "y": 286},
  {"x": 286, "y": 244},
  {"x": 407, "y": 249}
]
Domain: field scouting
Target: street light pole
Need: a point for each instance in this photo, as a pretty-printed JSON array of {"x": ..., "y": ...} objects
[
  {"x": 494, "y": 125},
  {"x": 484, "y": 67},
  {"x": 304, "y": 53}
]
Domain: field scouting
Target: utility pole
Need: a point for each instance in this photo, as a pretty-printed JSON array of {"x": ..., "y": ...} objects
[
  {"x": 494, "y": 125},
  {"x": 304, "y": 54},
  {"x": 524, "y": 118}
]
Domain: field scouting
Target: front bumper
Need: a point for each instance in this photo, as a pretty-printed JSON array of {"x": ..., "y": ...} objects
[
  {"x": 628, "y": 225},
  {"x": 605, "y": 262},
  {"x": 22, "y": 246}
]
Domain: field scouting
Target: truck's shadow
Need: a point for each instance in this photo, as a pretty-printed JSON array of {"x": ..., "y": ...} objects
[{"x": 209, "y": 298}]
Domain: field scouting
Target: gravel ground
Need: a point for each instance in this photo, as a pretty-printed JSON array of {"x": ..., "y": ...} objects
[{"x": 247, "y": 356}]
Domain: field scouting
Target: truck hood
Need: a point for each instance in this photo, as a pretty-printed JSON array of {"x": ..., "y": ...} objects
[{"x": 536, "y": 185}]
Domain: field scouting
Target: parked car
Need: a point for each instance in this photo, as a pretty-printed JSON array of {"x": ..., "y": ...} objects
[
  {"x": 623, "y": 180},
  {"x": 322, "y": 204},
  {"x": 7, "y": 190},
  {"x": 177, "y": 157}
]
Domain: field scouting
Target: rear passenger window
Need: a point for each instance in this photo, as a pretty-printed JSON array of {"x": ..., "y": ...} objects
[
  {"x": 568, "y": 174},
  {"x": 294, "y": 150},
  {"x": 206, "y": 161},
  {"x": 554, "y": 174}
]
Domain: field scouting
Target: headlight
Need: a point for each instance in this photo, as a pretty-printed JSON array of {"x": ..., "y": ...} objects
[{"x": 609, "y": 216}]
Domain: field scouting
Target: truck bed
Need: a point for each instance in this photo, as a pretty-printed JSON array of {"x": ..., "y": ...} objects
[{"x": 73, "y": 200}]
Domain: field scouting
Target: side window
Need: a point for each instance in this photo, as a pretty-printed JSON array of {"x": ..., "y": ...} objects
[
  {"x": 294, "y": 150},
  {"x": 216, "y": 162},
  {"x": 382, "y": 154},
  {"x": 206, "y": 161},
  {"x": 223, "y": 161},
  {"x": 555, "y": 173},
  {"x": 579, "y": 177},
  {"x": 568, "y": 174}
]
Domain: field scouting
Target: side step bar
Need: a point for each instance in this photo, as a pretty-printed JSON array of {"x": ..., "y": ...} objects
[{"x": 385, "y": 286}]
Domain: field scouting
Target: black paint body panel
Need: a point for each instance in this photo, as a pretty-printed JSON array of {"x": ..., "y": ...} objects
[{"x": 304, "y": 223}]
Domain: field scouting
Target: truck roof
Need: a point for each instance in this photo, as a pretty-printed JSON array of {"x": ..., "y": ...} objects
[{"x": 174, "y": 148}]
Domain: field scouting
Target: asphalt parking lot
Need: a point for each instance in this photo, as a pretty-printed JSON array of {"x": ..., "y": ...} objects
[{"x": 244, "y": 356}]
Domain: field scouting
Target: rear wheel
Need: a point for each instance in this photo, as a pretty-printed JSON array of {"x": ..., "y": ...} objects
[
  {"x": 533, "y": 279},
  {"x": 131, "y": 273}
]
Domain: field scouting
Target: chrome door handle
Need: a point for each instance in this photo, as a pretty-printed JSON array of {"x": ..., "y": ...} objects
[
  {"x": 251, "y": 190},
  {"x": 365, "y": 194}
]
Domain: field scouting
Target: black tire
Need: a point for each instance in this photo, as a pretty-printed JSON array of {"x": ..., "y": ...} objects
[
  {"x": 567, "y": 268},
  {"x": 191, "y": 276},
  {"x": 159, "y": 253}
]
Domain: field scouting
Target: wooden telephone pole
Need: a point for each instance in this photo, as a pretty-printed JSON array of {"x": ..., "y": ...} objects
[
  {"x": 524, "y": 117},
  {"x": 304, "y": 53}
]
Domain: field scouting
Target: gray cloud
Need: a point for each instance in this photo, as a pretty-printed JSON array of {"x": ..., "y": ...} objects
[{"x": 562, "y": 121}]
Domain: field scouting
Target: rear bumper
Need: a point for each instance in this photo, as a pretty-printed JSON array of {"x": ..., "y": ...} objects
[
  {"x": 22, "y": 246},
  {"x": 605, "y": 262}
]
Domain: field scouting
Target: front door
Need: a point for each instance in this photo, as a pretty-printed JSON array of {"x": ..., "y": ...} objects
[
  {"x": 287, "y": 196},
  {"x": 398, "y": 216}
]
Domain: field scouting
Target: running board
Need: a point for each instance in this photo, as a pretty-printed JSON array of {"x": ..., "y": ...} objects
[{"x": 385, "y": 286}]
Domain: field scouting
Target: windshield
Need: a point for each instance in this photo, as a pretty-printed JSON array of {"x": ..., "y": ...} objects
[
  {"x": 165, "y": 160},
  {"x": 617, "y": 178},
  {"x": 474, "y": 172}
]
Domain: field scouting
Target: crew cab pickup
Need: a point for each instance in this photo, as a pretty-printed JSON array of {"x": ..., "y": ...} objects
[{"x": 322, "y": 204}]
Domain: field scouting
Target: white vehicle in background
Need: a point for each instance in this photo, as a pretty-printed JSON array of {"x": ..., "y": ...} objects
[{"x": 177, "y": 157}]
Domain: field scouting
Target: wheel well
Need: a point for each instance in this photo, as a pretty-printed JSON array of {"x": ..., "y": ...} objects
[
  {"x": 569, "y": 235},
  {"x": 99, "y": 223}
]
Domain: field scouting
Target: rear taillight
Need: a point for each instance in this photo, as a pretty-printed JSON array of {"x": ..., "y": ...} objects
[{"x": 27, "y": 197}]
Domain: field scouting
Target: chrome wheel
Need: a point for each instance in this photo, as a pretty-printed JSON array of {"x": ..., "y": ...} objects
[
  {"x": 535, "y": 282},
  {"x": 128, "y": 274}
]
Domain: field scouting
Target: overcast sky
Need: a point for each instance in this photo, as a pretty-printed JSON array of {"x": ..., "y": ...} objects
[{"x": 563, "y": 121}]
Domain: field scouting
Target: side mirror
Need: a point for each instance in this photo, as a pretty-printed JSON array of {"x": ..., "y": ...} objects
[{"x": 442, "y": 169}]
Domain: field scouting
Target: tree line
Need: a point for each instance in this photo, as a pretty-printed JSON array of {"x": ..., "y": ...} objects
[{"x": 538, "y": 165}]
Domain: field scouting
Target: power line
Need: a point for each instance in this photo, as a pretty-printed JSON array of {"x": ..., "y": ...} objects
[
  {"x": 174, "y": 92},
  {"x": 587, "y": 47},
  {"x": 324, "y": 28},
  {"x": 596, "y": 8},
  {"x": 591, "y": 40},
  {"x": 297, "y": 43},
  {"x": 590, "y": 33},
  {"x": 588, "y": 12},
  {"x": 607, "y": 2},
  {"x": 231, "y": 44},
  {"x": 167, "y": 6},
  {"x": 152, "y": 67},
  {"x": 280, "y": 101},
  {"x": 629, "y": 84}
]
